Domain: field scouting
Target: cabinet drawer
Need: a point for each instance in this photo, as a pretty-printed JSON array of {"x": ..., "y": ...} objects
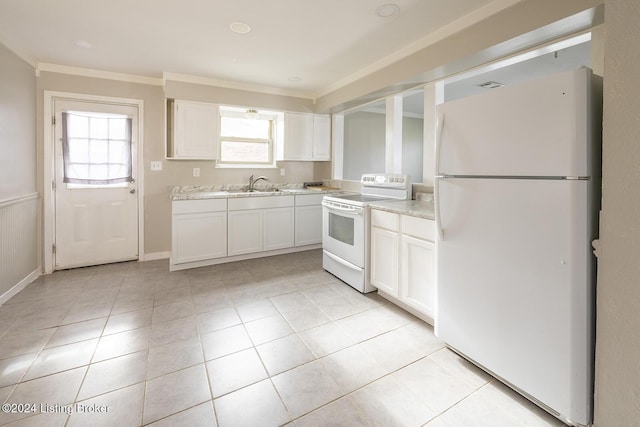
[
  {"x": 196, "y": 206},
  {"x": 258, "y": 202},
  {"x": 420, "y": 228},
  {"x": 384, "y": 219},
  {"x": 308, "y": 199}
]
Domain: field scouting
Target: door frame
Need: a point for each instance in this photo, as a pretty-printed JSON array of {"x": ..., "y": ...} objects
[{"x": 50, "y": 97}]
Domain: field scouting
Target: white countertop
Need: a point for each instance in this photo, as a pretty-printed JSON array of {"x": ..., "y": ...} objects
[
  {"x": 225, "y": 192},
  {"x": 417, "y": 208}
]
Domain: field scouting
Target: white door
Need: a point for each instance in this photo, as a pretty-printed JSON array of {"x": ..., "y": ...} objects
[{"x": 96, "y": 203}]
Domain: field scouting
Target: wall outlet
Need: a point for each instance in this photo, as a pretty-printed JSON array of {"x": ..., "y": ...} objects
[
  {"x": 156, "y": 166},
  {"x": 196, "y": 171},
  {"x": 282, "y": 172}
]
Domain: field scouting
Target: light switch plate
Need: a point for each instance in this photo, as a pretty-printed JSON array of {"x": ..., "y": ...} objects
[
  {"x": 196, "y": 171},
  {"x": 282, "y": 171},
  {"x": 156, "y": 166}
]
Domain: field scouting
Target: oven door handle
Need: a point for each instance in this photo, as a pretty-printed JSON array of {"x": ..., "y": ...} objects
[
  {"x": 348, "y": 211},
  {"x": 341, "y": 261}
]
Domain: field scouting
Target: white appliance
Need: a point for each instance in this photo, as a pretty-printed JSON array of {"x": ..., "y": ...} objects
[
  {"x": 517, "y": 199},
  {"x": 345, "y": 227}
]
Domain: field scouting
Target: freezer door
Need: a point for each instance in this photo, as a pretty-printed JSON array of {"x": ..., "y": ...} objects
[
  {"x": 536, "y": 128},
  {"x": 515, "y": 285}
]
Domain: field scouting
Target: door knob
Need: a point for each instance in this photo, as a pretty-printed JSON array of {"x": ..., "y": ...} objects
[{"x": 132, "y": 191}]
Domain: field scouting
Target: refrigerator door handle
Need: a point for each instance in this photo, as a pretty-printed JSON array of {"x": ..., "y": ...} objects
[
  {"x": 439, "y": 126},
  {"x": 436, "y": 207},
  {"x": 436, "y": 183}
]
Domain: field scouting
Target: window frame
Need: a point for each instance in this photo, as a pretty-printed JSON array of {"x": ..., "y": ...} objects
[{"x": 236, "y": 112}]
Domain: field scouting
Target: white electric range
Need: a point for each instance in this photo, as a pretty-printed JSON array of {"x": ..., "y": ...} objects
[{"x": 345, "y": 227}]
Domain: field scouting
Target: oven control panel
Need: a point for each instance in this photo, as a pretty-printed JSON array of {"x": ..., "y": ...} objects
[{"x": 385, "y": 180}]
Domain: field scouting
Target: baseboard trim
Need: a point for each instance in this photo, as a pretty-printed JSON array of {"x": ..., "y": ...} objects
[
  {"x": 215, "y": 261},
  {"x": 20, "y": 286},
  {"x": 154, "y": 256}
]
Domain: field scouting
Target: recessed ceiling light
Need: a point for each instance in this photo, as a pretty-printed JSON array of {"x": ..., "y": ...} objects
[
  {"x": 239, "y": 27},
  {"x": 82, "y": 43},
  {"x": 294, "y": 79},
  {"x": 387, "y": 10}
]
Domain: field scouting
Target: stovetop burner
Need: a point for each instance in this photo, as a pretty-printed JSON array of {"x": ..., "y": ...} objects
[{"x": 376, "y": 187}]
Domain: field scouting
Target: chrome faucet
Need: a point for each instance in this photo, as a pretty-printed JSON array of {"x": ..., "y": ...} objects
[{"x": 252, "y": 181}]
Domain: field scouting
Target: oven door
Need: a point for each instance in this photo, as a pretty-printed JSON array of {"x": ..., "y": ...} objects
[{"x": 343, "y": 231}]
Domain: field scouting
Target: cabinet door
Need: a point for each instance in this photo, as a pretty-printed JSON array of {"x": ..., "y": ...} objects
[
  {"x": 245, "y": 232},
  {"x": 321, "y": 137},
  {"x": 384, "y": 260},
  {"x": 195, "y": 130},
  {"x": 278, "y": 228},
  {"x": 308, "y": 225},
  {"x": 298, "y": 136},
  {"x": 198, "y": 236},
  {"x": 418, "y": 279}
]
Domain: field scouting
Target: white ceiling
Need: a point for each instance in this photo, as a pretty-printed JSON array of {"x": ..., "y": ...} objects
[{"x": 324, "y": 43}]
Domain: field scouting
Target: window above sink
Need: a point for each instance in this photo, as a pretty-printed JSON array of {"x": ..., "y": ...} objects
[{"x": 247, "y": 137}]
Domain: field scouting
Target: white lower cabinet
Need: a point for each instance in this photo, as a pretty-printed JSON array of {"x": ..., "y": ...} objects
[
  {"x": 417, "y": 286},
  {"x": 278, "y": 228},
  {"x": 308, "y": 221},
  {"x": 245, "y": 232},
  {"x": 258, "y": 224},
  {"x": 199, "y": 230},
  {"x": 385, "y": 245},
  {"x": 402, "y": 260},
  {"x": 213, "y": 231}
]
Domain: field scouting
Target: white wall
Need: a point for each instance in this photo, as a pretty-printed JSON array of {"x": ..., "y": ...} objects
[
  {"x": 412, "y": 147},
  {"x": 364, "y": 144},
  {"x": 17, "y": 126},
  {"x": 18, "y": 201},
  {"x": 617, "y": 394}
]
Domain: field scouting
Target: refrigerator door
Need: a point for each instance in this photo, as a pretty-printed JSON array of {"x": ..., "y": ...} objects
[
  {"x": 515, "y": 282},
  {"x": 537, "y": 128}
]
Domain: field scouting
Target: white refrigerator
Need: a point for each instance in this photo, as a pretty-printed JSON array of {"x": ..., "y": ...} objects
[{"x": 517, "y": 197}]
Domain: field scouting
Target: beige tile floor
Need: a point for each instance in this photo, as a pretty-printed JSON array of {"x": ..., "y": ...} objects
[{"x": 266, "y": 342}]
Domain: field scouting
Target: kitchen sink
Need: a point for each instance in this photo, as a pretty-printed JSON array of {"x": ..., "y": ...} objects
[
  {"x": 213, "y": 193},
  {"x": 294, "y": 190},
  {"x": 244, "y": 190}
]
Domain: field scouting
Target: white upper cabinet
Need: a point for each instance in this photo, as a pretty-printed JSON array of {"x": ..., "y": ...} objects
[
  {"x": 192, "y": 130},
  {"x": 307, "y": 137},
  {"x": 321, "y": 137}
]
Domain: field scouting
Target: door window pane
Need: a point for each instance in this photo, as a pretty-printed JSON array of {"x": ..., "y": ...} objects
[{"x": 96, "y": 148}]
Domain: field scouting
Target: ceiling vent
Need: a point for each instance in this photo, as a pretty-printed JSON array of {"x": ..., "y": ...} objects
[{"x": 491, "y": 85}]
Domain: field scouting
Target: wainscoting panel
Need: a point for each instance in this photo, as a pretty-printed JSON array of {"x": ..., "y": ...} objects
[{"x": 18, "y": 244}]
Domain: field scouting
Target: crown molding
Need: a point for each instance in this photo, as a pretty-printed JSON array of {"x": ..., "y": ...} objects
[
  {"x": 99, "y": 74},
  {"x": 230, "y": 84}
]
